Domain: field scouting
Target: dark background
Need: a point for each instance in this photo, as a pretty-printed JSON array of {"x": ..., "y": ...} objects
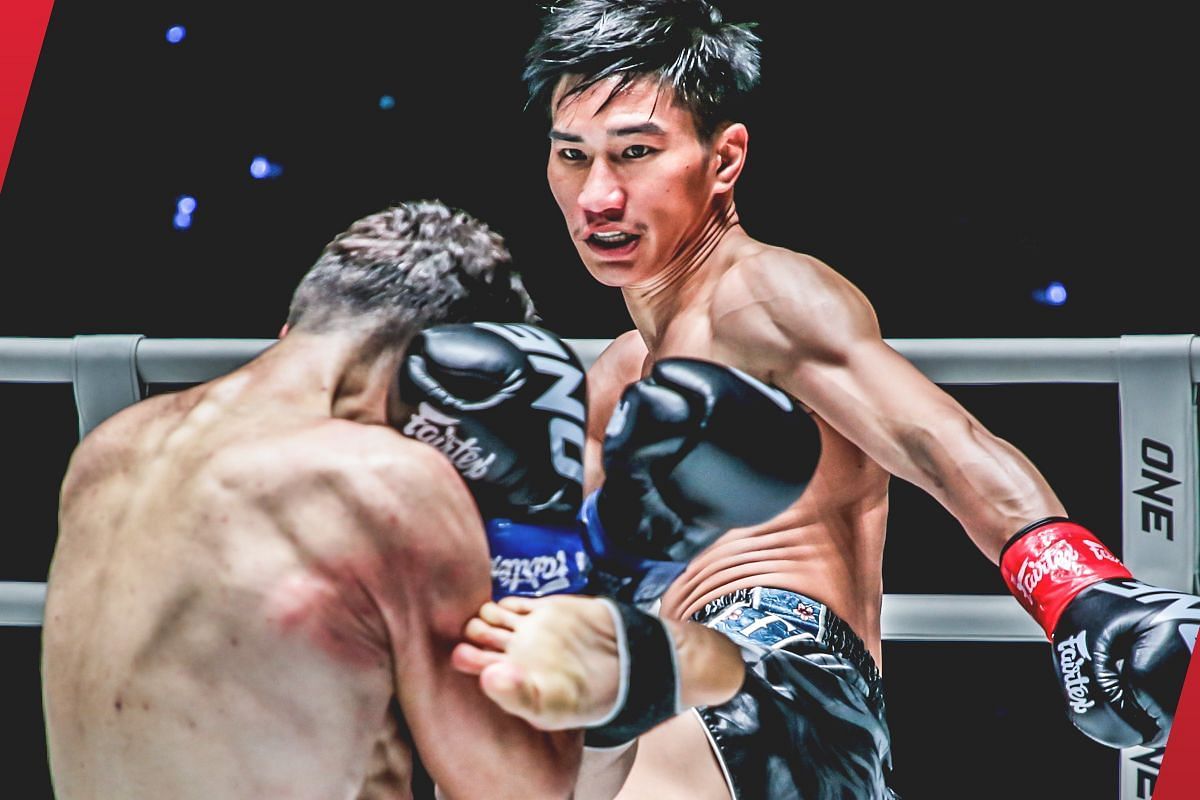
[{"x": 949, "y": 160}]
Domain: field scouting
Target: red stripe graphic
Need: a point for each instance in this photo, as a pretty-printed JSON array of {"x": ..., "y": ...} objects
[
  {"x": 22, "y": 29},
  {"x": 1179, "y": 776}
]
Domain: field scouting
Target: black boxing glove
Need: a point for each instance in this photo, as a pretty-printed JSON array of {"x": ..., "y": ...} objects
[
  {"x": 506, "y": 404},
  {"x": 692, "y": 450},
  {"x": 1121, "y": 647}
]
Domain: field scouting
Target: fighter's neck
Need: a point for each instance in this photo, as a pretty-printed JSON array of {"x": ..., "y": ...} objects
[
  {"x": 328, "y": 374},
  {"x": 688, "y": 276}
]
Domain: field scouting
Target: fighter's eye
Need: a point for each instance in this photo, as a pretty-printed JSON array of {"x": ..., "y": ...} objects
[
  {"x": 571, "y": 154},
  {"x": 636, "y": 151}
]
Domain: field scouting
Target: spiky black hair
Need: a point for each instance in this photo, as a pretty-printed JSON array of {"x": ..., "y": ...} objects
[{"x": 686, "y": 44}]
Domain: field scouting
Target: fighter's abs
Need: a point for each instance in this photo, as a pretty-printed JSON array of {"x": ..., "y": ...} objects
[
  {"x": 835, "y": 530},
  {"x": 827, "y": 545}
]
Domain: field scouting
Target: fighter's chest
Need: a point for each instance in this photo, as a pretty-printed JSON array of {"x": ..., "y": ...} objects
[
  {"x": 699, "y": 338},
  {"x": 688, "y": 338}
]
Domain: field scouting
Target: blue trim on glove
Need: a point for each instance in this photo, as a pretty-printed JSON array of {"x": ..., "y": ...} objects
[
  {"x": 535, "y": 560},
  {"x": 647, "y": 577}
]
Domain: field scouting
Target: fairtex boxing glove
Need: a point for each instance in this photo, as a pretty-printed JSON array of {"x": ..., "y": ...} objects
[
  {"x": 1121, "y": 647},
  {"x": 506, "y": 404},
  {"x": 691, "y": 451}
]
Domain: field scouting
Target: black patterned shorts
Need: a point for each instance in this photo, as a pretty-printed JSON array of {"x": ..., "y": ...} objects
[{"x": 809, "y": 720}]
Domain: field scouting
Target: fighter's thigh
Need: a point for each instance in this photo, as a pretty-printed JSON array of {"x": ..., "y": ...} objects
[{"x": 675, "y": 761}]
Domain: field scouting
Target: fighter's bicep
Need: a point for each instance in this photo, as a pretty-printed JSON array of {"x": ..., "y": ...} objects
[
  {"x": 434, "y": 578},
  {"x": 418, "y": 544},
  {"x": 823, "y": 345},
  {"x": 881, "y": 402}
]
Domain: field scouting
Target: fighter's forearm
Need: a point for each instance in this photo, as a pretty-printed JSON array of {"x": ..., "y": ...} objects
[{"x": 989, "y": 485}]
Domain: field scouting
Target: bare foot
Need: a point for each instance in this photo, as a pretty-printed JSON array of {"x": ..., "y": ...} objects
[{"x": 553, "y": 661}]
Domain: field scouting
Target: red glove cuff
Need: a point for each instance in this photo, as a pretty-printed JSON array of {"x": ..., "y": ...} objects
[{"x": 1050, "y": 562}]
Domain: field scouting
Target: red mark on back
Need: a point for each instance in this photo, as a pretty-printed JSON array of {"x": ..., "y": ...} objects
[{"x": 330, "y": 606}]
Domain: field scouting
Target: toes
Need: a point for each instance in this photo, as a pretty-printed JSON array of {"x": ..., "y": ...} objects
[
  {"x": 483, "y": 634},
  {"x": 469, "y": 659},
  {"x": 499, "y": 616},
  {"x": 518, "y": 604}
]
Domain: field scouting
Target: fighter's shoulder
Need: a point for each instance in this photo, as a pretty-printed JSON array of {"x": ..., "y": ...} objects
[
  {"x": 355, "y": 464},
  {"x": 782, "y": 300},
  {"x": 108, "y": 448},
  {"x": 621, "y": 361}
]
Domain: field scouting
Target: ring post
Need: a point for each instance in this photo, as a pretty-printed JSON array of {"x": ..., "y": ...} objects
[
  {"x": 104, "y": 371},
  {"x": 1160, "y": 537}
]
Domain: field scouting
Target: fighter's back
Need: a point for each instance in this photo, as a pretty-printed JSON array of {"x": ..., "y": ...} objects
[{"x": 214, "y": 625}]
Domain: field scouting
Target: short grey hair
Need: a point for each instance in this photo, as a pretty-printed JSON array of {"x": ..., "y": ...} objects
[{"x": 412, "y": 265}]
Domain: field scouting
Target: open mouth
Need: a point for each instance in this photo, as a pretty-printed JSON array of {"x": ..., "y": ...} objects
[{"x": 613, "y": 242}]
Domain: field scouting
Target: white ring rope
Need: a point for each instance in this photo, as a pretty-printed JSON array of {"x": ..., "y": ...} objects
[{"x": 927, "y": 617}]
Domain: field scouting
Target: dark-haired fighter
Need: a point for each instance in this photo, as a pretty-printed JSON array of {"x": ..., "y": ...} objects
[
  {"x": 646, "y": 148},
  {"x": 258, "y": 581}
]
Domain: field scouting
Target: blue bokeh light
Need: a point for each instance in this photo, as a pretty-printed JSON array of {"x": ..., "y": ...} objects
[
  {"x": 182, "y": 221},
  {"x": 387, "y": 102},
  {"x": 175, "y": 34},
  {"x": 186, "y": 204},
  {"x": 262, "y": 167},
  {"x": 1053, "y": 294},
  {"x": 259, "y": 167}
]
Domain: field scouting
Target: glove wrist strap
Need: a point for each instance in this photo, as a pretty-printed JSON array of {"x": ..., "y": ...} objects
[{"x": 1047, "y": 564}]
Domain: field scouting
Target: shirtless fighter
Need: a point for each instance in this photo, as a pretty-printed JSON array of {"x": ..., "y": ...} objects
[
  {"x": 258, "y": 582},
  {"x": 645, "y": 152}
]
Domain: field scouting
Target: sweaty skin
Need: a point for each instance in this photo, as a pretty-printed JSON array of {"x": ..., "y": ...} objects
[
  {"x": 256, "y": 595},
  {"x": 697, "y": 285}
]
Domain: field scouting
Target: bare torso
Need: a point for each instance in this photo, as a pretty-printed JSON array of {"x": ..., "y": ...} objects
[
  {"x": 828, "y": 545},
  {"x": 241, "y": 606}
]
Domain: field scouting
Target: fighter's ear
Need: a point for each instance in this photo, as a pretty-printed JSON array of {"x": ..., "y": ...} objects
[
  {"x": 283, "y": 331},
  {"x": 729, "y": 150}
]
